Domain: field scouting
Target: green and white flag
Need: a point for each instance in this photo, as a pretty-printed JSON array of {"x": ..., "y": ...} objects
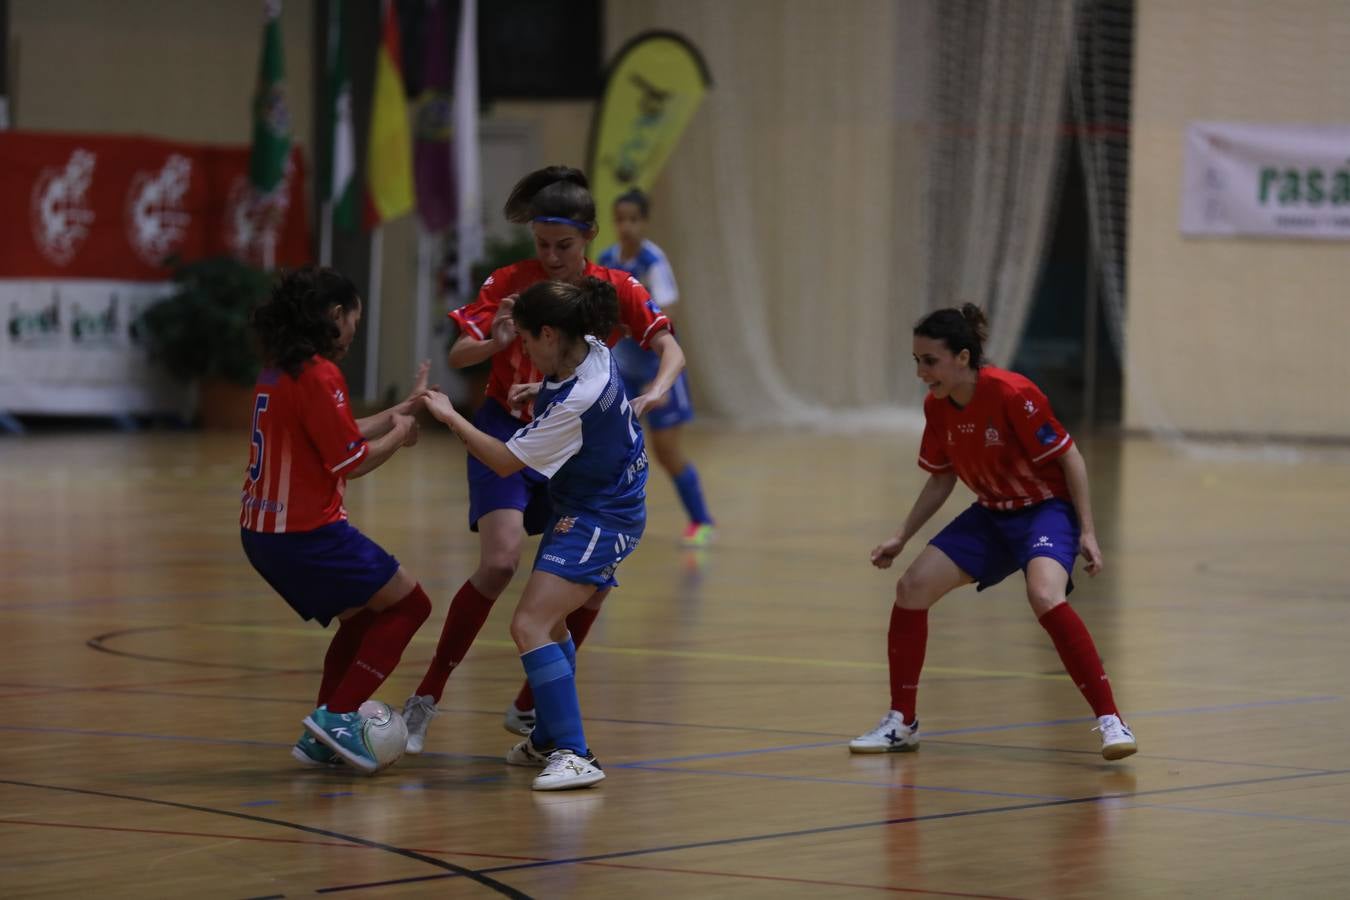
[
  {"x": 271, "y": 118},
  {"x": 340, "y": 185}
]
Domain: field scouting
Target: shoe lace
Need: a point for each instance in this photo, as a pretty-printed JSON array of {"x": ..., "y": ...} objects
[{"x": 1112, "y": 727}]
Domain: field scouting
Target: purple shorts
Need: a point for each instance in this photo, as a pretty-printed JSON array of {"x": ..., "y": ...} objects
[
  {"x": 989, "y": 546},
  {"x": 320, "y": 573},
  {"x": 526, "y": 490}
]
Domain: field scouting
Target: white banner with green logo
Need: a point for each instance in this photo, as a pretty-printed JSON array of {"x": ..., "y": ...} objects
[
  {"x": 72, "y": 347},
  {"x": 1288, "y": 181}
]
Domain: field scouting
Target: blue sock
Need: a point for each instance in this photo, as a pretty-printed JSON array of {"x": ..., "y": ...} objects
[
  {"x": 569, "y": 649},
  {"x": 555, "y": 697},
  {"x": 541, "y": 737},
  {"x": 691, "y": 495}
]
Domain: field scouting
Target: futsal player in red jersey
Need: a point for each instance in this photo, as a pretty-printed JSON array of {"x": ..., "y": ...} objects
[
  {"x": 994, "y": 430},
  {"x": 304, "y": 446},
  {"x": 556, "y": 204}
]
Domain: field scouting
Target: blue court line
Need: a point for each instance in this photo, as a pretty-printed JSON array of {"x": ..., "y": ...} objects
[
  {"x": 991, "y": 728},
  {"x": 190, "y": 739},
  {"x": 653, "y": 765},
  {"x": 1149, "y": 756},
  {"x": 1237, "y": 812},
  {"x": 260, "y": 803}
]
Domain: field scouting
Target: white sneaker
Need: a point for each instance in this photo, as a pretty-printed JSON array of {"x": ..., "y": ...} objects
[
  {"x": 567, "y": 770},
  {"x": 524, "y": 754},
  {"x": 518, "y": 721},
  {"x": 891, "y": 735},
  {"x": 418, "y": 713},
  {"x": 1117, "y": 738}
]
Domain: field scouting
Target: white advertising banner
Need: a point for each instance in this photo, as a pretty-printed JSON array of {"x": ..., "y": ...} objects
[
  {"x": 1285, "y": 181},
  {"x": 72, "y": 347}
]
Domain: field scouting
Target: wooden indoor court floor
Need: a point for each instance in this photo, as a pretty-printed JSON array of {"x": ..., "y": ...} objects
[{"x": 153, "y": 686}]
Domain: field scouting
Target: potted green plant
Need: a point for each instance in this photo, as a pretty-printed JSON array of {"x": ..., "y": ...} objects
[{"x": 200, "y": 333}]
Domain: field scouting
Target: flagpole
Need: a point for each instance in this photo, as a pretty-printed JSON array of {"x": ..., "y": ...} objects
[
  {"x": 326, "y": 233},
  {"x": 422, "y": 313},
  {"x": 468, "y": 165},
  {"x": 372, "y": 315}
]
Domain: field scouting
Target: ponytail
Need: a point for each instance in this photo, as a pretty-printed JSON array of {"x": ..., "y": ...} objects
[{"x": 575, "y": 310}]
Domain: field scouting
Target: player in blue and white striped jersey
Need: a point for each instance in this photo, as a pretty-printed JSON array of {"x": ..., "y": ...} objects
[
  {"x": 585, "y": 438},
  {"x": 647, "y": 263}
]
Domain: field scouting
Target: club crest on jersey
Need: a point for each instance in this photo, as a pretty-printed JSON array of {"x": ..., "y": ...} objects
[
  {"x": 991, "y": 436},
  {"x": 565, "y": 524}
]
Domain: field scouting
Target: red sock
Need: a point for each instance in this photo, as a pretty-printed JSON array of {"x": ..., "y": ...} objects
[
  {"x": 905, "y": 645},
  {"x": 341, "y": 651},
  {"x": 381, "y": 648},
  {"x": 1080, "y": 658},
  {"x": 468, "y": 611},
  {"x": 579, "y": 623}
]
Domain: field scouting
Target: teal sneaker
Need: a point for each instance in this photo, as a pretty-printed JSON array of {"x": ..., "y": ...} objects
[
  {"x": 309, "y": 752},
  {"x": 345, "y": 735}
]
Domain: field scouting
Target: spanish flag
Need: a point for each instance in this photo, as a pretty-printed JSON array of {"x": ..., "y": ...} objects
[{"x": 389, "y": 182}]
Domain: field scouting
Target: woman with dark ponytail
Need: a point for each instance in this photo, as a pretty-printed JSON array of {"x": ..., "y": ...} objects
[
  {"x": 303, "y": 447},
  {"x": 995, "y": 431},
  {"x": 556, "y": 204},
  {"x": 585, "y": 439}
]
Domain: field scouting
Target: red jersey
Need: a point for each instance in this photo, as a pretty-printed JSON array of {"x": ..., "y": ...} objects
[
  {"x": 1001, "y": 444},
  {"x": 637, "y": 314},
  {"x": 304, "y": 443}
]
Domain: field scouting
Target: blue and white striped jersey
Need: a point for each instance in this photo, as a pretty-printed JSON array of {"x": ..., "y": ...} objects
[{"x": 585, "y": 439}]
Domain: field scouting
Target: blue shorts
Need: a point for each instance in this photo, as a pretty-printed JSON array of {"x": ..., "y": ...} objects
[
  {"x": 989, "y": 546},
  {"x": 320, "y": 573},
  {"x": 678, "y": 408},
  {"x": 580, "y": 550},
  {"x": 526, "y": 490}
]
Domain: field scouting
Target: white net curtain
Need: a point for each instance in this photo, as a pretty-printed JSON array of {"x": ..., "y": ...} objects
[{"x": 854, "y": 165}]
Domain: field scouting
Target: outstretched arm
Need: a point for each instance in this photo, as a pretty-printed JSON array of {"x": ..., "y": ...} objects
[
  {"x": 487, "y": 448},
  {"x": 934, "y": 493}
]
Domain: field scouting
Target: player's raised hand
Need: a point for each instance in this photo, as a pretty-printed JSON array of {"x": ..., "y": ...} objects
[
  {"x": 522, "y": 395},
  {"x": 1087, "y": 547},
  {"x": 503, "y": 325},
  {"x": 884, "y": 554},
  {"x": 413, "y": 401}
]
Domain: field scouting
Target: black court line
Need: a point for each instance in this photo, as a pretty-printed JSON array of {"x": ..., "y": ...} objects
[
  {"x": 851, "y": 826},
  {"x": 454, "y": 870},
  {"x": 100, "y": 642}
]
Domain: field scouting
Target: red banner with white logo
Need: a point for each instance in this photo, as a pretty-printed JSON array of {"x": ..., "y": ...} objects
[
  {"x": 86, "y": 223},
  {"x": 113, "y": 207}
]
